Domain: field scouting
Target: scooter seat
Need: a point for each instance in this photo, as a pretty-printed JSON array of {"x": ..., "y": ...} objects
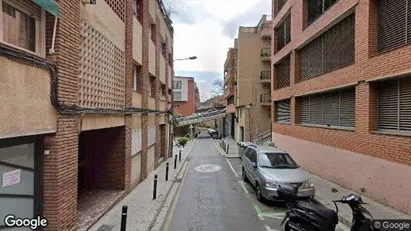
[{"x": 320, "y": 210}]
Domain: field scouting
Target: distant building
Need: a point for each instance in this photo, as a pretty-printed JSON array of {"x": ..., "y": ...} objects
[{"x": 184, "y": 95}]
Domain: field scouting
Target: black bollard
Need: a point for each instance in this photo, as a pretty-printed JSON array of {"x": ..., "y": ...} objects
[
  {"x": 167, "y": 172},
  {"x": 175, "y": 162},
  {"x": 179, "y": 156},
  {"x": 155, "y": 187},
  {"x": 228, "y": 148},
  {"x": 123, "y": 218}
]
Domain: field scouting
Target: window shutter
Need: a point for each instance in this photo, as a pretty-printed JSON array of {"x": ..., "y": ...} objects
[
  {"x": 283, "y": 73},
  {"x": 409, "y": 21},
  {"x": 316, "y": 109},
  {"x": 288, "y": 29},
  {"x": 283, "y": 111},
  {"x": 310, "y": 60},
  {"x": 346, "y": 45},
  {"x": 391, "y": 24},
  {"x": 280, "y": 37},
  {"x": 305, "y": 110},
  {"x": 347, "y": 107},
  {"x": 331, "y": 108},
  {"x": 281, "y": 4},
  {"x": 405, "y": 104},
  {"x": 388, "y": 105},
  {"x": 331, "y": 43}
]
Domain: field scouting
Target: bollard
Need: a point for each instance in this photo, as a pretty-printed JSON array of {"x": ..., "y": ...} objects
[
  {"x": 167, "y": 171},
  {"x": 179, "y": 156},
  {"x": 155, "y": 187},
  {"x": 123, "y": 218},
  {"x": 175, "y": 161},
  {"x": 228, "y": 148}
]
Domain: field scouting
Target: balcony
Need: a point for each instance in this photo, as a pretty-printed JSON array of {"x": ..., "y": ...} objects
[
  {"x": 265, "y": 99},
  {"x": 266, "y": 30},
  {"x": 266, "y": 54},
  {"x": 265, "y": 77}
]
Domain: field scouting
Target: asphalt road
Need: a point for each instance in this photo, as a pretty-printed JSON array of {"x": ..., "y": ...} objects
[{"x": 213, "y": 196}]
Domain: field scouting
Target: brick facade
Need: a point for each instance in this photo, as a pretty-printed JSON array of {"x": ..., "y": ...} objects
[
  {"x": 368, "y": 66},
  {"x": 187, "y": 108}
]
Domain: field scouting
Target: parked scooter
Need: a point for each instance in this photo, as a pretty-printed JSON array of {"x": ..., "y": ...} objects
[{"x": 310, "y": 216}]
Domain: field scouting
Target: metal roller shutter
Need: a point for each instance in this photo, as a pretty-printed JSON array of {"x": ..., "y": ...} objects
[
  {"x": 331, "y": 109},
  {"x": 388, "y": 105},
  {"x": 347, "y": 107},
  {"x": 405, "y": 104},
  {"x": 283, "y": 73},
  {"x": 316, "y": 109},
  {"x": 392, "y": 20},
  {"x": 346, "y": 43},
  {"x": 283, "y": 111},
  {"x": 310, "y": 60},
  {"x": 305, "y": 110}
]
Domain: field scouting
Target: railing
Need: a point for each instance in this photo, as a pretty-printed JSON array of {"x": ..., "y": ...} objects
[
  {"x": 266, "y": 25},
  {"x": 265, "y": 75},
  {"x": 266, "y": 52},
  {"x": 265, "y": 98}
]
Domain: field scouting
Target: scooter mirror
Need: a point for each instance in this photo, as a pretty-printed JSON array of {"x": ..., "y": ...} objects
[{"x": 334, "y": 190}]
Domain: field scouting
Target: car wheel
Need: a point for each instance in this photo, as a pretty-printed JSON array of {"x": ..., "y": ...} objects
[
  {"x": 258, "y": 192},
  {"x": 244, "y": 176}
]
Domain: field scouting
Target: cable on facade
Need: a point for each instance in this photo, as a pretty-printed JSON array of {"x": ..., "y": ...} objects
[{"x": 59, "y": 106}]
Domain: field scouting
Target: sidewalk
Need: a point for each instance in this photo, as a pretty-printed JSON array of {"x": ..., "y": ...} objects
[
  {"x": 142, "y": 209},
  {"x": 232, "y": 148},
  {"x": 325, "y": 197}
]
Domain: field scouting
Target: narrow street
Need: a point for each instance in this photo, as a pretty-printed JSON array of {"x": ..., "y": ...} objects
[{"x": 217, "y": 199}]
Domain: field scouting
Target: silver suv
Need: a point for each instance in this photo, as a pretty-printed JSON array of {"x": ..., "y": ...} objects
[{"x": 267, "y": 167}]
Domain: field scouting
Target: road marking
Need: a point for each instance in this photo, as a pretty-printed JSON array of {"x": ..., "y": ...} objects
[
  {"x": 219, "y": 149},
  {"x": 232, "y": 169},
  {"x": 207, "y": 168},
  {"x": 268, "y": 228},
  {"x": 247, "y": 194},
  {"x": 259, "y": 213}
]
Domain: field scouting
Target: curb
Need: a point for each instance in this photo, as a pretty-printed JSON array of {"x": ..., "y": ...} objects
[{"x": 154, "y": 219}]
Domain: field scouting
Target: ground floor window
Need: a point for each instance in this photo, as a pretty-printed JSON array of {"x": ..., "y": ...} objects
[
  {"x": 20, "y": 178},
  {"x": 283, "y": 112}
]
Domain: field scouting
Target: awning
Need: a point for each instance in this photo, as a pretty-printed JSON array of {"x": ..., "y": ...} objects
[{"x": 51, "y": 6}]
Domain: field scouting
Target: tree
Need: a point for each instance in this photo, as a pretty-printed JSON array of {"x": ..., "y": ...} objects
[
  {"x": 170, "y": 8},
  {"x": 218, "y": 87}
]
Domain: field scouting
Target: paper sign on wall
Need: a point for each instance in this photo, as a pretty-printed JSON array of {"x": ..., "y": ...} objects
[{"x": 11, "y": 178}]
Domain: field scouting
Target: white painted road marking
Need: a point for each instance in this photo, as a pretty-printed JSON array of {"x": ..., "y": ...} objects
[
  {"x": 207, "y": 168},
  {"x": 247, "y": 194},
  {"x": 232, "y": 169}
]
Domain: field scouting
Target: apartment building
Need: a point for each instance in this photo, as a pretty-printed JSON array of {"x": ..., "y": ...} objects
[
  {"x": 253, "y": 84},
  {"x": 85, "y": 93},
  {"x": 342, "y": 92},
  {"x": 185, "y": 95},
  {"x": 230, "y": 78}
]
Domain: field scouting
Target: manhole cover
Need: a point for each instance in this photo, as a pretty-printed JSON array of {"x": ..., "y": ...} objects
[
  {"x": 207, "y": 168},
  {"x": 105, "y": 228}
]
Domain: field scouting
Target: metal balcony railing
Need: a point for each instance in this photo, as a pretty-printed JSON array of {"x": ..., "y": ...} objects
[
  {"x": 266, "y": 52},
  {"x": 265, "y": 75},
  {"x": 265, "y": 98}
]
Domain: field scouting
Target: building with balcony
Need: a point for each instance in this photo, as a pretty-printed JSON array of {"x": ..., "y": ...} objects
[
  {"x": 185, "y": 95},
  {"x": 341, "y": 92},
  {"x": 85, "y": 96},
  {"x": 253, "y": 81},
  {"x": 230, "y": 78}
]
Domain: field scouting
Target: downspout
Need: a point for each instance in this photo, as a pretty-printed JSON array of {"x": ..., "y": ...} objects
[{"x": 52, "y": 51}]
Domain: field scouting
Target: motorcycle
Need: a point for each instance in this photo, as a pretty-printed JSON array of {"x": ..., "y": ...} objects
[
  {"x": 214, "y": 134},
  {"x": 311, "y": 216}
]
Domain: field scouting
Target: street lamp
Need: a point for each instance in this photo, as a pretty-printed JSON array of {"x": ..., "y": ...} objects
[{"x": 172, "y": 106}]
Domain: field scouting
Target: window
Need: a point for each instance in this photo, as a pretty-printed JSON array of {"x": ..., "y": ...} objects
[
  {"x": 394, "y": 24},
  {"x": 316, "y": 8},
  {"x": 138, "y": 9},
  {"x": 283, "y": 112},
  {"x": 137, "y": 77},
  {"x": 153, "y": 33},
  {"x": 281, "y": 3},
  {"x": 277, "y": 160},
  {"x": 170, "y": 59},
  {"x": 152, "y": 86},
  {"x": 163, "y": 90},
  {"x": 178, "y": 85},
  {"x": 282, "y": 73},
  {"x": 394, "y": 105},
  {"x": 164, "y": 49},
  {"x": 332, "y": 50},
  {"x": 283, "y": 33},
  {"x": 21, "y": 23},
  {"x": 336, "y": 108},
  {"x": 178, "y": 96}
]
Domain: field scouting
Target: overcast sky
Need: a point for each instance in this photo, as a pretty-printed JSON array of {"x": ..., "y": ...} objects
[{"x": 206, "y": 29}]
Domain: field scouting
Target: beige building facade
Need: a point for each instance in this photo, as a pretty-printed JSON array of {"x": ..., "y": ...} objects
[
  {"x": 84, "y": 104},
  {"x": 253, "y": 82}
]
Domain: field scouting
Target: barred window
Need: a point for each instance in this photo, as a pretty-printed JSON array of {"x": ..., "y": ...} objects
[
  {"x": 283, "y": 33},
  {"x": 316, "y": 8},
  {"x": 394, "y": 104},
  {"x": 332, "y": 50},
  {"x": 282, "y": 73},
  {"x": 283, "y": 111},
  {"x": 394, "y": 24},
  {"x": 332, "y": 109}
]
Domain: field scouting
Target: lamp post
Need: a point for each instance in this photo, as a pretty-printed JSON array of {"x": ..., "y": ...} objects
[{"x": 171, "y": 135}]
